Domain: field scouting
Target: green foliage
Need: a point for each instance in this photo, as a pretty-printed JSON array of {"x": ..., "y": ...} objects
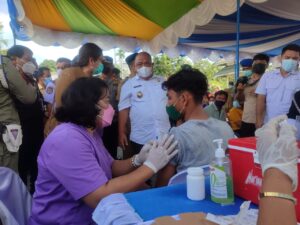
[
  {"x": 51, "y": 64},
  {"x": 210, "y": 69},
  {"x": 166, "y": 66}
]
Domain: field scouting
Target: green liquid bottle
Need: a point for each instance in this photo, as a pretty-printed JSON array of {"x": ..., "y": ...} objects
[{"x": 221, "y": 186}]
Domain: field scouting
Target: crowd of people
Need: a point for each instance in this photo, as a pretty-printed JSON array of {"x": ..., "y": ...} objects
[{"x": 62, "y": 135}]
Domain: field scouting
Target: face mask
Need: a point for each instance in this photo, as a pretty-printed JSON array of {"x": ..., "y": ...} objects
[
  {"x": 236, "y": 104},
  {"x": 107, "y": 117},
  {"x": 58, "y": 72},
  {"x": 259, "y": 68},
  {"x": 247, "y": 73},
  {"x": 47, "y": 80},
  {"x": 98, "y": 70},
  {"x": 144, "y": 72},
  {"x": 173, "y": 113},
  {"x": 219, "y": 104},
  {"x": 289, "y": 65},
  {"x": 29, "y": 68}
]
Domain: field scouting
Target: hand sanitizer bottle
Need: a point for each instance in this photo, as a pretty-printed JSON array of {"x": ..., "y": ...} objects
[{"x": 221, "y": 187}]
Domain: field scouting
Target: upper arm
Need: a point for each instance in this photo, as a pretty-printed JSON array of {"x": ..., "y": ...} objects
[
  {"x": 76, "y": 168},
  {"x": 18, "y": 86},
  {"x": 165, "y": 174},
  {"x": 125, "y": 96}
]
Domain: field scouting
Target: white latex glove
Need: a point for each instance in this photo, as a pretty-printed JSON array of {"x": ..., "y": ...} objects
[
  {"x": 160, "y": 154},
  {"x": 141, "y": 157},
  {"x": 277, "y": 147}
]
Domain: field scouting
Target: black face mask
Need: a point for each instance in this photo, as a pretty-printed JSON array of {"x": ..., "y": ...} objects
[
  {"x": 259, "y": 68},
  {"x": 219, "y": 104}
]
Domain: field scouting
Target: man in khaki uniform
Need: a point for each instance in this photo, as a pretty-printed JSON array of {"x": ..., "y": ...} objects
[
  {"x": 12, "y": 85},
  {"x": 89, "y": 60}
]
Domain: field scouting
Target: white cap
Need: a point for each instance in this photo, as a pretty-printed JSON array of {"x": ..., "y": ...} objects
[{"x": 195, "y": 171}]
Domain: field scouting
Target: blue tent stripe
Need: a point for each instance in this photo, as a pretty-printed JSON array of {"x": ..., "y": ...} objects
[
  {"x": 251, "y": 15},
  {"x": 206, "y": 38}
]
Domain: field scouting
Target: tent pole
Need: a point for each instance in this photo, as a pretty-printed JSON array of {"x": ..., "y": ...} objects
[{"x": 237, "y": 50}]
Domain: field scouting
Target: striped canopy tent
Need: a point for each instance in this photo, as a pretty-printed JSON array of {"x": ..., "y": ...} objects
[
  {"x": 265, "y": 27},
  {"x": 152, "y": 25}
]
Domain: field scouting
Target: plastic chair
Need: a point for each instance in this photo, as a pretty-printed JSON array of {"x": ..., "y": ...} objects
[
  {"x": 15, "y": 204},
  {"x": 180, "y": 178}
]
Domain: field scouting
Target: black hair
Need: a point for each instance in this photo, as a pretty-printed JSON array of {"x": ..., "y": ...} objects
[
  {"x": 107, "y": 68},
  {"x": 116, "y": 71},
  {"x": 292, "y": 47},
  {"x": 221, "y": 92},
  {"x": 261, "y": 56},
  {"x": 17, "y": 51},
  {"x": 191, "y": 80},
  {"x": 87, "y": 51},
  {"x": 40, "y": 71},
  {"x": 64, "y": 60},
  {"x": 79, "y": 102}
]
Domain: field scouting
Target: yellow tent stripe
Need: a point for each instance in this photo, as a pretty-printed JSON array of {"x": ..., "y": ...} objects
[
  {"x": 123, "y": 20},
  {"x": 45, "y": 14}
]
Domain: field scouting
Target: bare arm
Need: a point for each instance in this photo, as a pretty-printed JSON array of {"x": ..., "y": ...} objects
[
  {"x": 122, "y": 167},
  {"x": 165, "y": 174},
  {"x": 260, "y": 110},
  {"x": 126, "y": 183},
  {"x": 123, "y": 118},
  {"x": 276, "y": 211}
]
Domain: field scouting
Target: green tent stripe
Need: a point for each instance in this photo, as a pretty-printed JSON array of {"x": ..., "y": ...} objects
[
  {"x": 79, "y": 18},
  {"x": 162, "y": 12}
]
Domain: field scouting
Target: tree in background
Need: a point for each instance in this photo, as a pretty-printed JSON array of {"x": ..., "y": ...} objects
[
  {"x": 119, "y": 61},
  {"x": 165, "y": 66},
  {"x": 51, "y": 64},
  {"x": 210, "y": 69},
  {"x": 3, "y": 42}
]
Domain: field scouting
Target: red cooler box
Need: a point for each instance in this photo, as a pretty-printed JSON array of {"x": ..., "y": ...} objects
[{"x": 247, "y": 174}]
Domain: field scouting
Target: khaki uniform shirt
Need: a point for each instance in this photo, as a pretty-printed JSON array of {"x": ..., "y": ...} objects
[
  {"x": 249, "y": 112},
  {"x": 67, "y": 76},
  {"x": 20, "y": 89}
]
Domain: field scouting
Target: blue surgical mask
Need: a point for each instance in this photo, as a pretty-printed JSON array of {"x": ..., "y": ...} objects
[
  {"x": 289, "y": 65},
  {"x": 247, "y": 73},
  {"x": 236, "y": 104},
  {"x": 47, "y": 80},
  {"x": 98, "y": 70}
]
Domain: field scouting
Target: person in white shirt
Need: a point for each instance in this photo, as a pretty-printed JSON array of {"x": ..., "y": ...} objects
[
  {"x": 276, "y": 88},
  {"x": 143, "y": 101}
]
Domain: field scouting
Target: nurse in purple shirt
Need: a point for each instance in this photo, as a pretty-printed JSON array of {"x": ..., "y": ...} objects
[{"x": 75, "y": 169}]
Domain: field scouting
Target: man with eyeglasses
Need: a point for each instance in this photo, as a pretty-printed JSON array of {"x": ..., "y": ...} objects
[{"x": 143, "y": 101}]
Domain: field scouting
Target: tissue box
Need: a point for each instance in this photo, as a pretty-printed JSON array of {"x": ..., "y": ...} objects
[{"x": 247, "y": 173}]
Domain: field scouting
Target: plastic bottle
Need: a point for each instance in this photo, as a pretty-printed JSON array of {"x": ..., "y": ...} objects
[
  {"x": 221, "y": 187},
  {"x": 195, "y": 182}
]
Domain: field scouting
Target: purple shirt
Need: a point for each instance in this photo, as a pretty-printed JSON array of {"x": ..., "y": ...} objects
[{"x": 72, "y": 163}]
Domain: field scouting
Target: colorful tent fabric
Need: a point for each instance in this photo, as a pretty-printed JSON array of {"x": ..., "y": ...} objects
[
  {"x": 152, "y": 25},
  {"x": 265, "y": 27}
]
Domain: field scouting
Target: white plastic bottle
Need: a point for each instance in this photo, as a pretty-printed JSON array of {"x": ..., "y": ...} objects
[
  {"x": 221, "y": 186},
  {"x": 195, "y": 182}
]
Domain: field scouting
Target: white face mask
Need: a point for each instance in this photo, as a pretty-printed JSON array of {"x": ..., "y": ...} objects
[
  {"x": 29, "y": 68},
  {"x": 144, "y": 72},
  {"x": 58, "y": 72}
]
